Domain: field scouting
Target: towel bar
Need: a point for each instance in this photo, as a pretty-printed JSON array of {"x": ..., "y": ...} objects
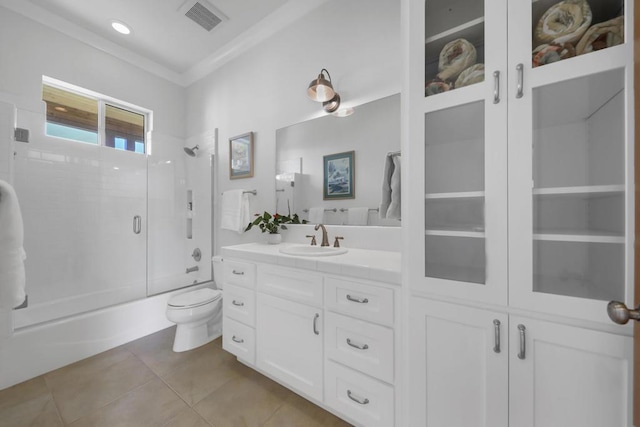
[
  {"x": 254, "y": 192},
  {"x": 370, "y": 209},
  {"x": 326, "y": 210}
]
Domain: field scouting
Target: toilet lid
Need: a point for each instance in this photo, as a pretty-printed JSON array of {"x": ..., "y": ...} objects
[{"x": 195, "y": 298}]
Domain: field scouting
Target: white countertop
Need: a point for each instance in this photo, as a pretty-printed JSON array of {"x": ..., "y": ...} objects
[{"x": 381, "y": 266}]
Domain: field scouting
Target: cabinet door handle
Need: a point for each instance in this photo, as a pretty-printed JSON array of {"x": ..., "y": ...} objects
[
  {"x": 496, "y": 87},
  {"x": 238, "y": 340},
  {"x": 520, "y": 84},
  {"x": 496, "y": 327},
  {"x": 523, "y": 350},
  {"x": 237, "y": 303},
  {"x": 358, "y": 300},
  {"x": 238, "y": 273},
  {"x": 356, "y": 399},
  {"x": 315, "y": 324},
  {"x": 359, "y": 347}
]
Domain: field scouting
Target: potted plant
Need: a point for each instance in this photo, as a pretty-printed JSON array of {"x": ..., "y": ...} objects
[{"x": 273, "y": 223}]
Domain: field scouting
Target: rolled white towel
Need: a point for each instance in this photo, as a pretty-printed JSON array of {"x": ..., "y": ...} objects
[
  {"x": 316, "y": 215},
  {"x": 358, "y": 216}
]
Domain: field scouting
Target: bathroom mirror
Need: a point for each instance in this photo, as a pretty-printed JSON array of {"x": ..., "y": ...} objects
[{"x": 371, "y": 132}]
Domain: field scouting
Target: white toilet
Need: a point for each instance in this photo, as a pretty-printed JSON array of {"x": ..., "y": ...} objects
[{"x": 197, "y": 313}]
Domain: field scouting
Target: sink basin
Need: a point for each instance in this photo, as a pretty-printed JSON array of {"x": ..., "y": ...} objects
[{"x": 308, "y": 250}]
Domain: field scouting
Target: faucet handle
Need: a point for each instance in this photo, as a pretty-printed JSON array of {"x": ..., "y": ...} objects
[
  {"x": 336, "y": 244},
  {"x": 313, "y": 239}
]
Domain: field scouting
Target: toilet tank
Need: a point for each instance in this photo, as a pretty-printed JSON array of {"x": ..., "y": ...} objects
[{"x": 217, "y": 271}]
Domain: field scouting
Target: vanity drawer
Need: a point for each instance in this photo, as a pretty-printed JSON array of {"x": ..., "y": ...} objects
[
  {"x": 367, "y": 401},
  {"x": 239, "y": 304},
  {"x": 360, "y": 299},
  {"x": 240, "y": 340},
  {"x": 360, "y": 345},
  {"x": 239, "y": 273},
  {"x": 295, "y": 285}
]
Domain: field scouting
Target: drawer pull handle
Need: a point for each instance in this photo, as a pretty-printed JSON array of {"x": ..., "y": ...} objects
[
  {"x": 353, "y": 397},
  {"x": 315, "y": 324},
  {"x": 359, "y": 347},
  {"x": 496, "y": 326},
  {"x": 238, "y": 340},
  {"x": 238, "y": 304},
  {"x": 238, "y": 273},
  {"x": 358, "y": 300}
]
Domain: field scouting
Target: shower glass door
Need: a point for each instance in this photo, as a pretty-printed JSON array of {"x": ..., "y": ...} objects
[{"x": 85, "y": 212}]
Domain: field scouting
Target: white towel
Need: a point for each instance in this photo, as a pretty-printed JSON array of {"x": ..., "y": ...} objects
[
  {"x": 316, "y": 215},
  {"x": 358, "y": 216},
  {"x": 235, "y": 211},
  {"x": 387, "y": 172},
  {"x": 12, "y": 256},
  {"x": 394, "y": 211}
]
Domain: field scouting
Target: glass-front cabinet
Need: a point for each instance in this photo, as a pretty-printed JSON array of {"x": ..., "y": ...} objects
[{"x": 525, "y": 162}]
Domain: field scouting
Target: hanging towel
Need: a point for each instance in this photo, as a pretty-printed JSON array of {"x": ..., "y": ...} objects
[
  {"x": 235, "y": 211},
  {"x": 12, "y": 256},
  {"x": 316, "y": 215},
  {"x": 357, "y": 216},
  {"x": 386, "y": 186},
  {"x": 394, "y": 211}
]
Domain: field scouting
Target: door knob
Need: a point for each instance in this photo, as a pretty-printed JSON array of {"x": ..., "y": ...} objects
[{"x": 619, "y": 313}]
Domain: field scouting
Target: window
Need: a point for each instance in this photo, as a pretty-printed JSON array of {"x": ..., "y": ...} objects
[{"x": 84, "y": 116}]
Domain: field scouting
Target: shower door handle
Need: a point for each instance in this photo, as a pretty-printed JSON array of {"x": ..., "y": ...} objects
[{"x": 137, "y": 224}]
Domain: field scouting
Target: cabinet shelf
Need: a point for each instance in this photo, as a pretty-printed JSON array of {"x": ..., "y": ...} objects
[
  {"x": 455, "y": 195},
  {"x": 472, "y": 27},
  {"x": 579, "y": 238},
  {"x": 455, "y": 233},
  {"x": 589, "y": 189}
]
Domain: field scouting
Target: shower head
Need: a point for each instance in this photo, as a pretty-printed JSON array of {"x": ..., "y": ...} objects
[{"x": 191, "y": 151}]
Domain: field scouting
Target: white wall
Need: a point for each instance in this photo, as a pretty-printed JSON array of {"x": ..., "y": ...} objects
[{"x": 264, "y": 89}]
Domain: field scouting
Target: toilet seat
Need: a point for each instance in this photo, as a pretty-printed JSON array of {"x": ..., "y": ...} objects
[{"x": 195, "y": 298}]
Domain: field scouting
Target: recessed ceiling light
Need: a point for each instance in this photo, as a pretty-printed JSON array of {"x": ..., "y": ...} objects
[
  {"x": 121, "y": 27},
  {"x": 61, "y": 109}
]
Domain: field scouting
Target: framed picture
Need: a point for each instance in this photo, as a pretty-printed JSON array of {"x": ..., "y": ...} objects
[
  {"x": 241, "y": 156},
  {"x": 339, "y": 176}
]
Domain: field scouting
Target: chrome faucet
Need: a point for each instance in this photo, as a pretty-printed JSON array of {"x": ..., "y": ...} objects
[
  {"x": 325, "y": 238},
  {"x": 191, "y": 269}
]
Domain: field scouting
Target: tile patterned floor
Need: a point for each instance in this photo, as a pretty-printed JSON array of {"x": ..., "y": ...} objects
[{"x": 144, "y": 383}]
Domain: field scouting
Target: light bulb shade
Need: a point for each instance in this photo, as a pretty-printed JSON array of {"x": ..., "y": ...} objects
[
  {"x": 320, "y": 89},
  {"x": 332, "y": 105}
]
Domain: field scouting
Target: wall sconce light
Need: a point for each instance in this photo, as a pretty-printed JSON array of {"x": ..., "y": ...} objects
[
  {"x": 320, "y": 89},
  {"x": 332, "y": 105}
]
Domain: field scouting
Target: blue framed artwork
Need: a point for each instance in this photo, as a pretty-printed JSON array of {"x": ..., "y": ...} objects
[{"x": 339, "y": 176}]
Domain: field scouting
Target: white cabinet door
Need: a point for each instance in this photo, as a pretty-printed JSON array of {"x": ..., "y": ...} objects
[
  {"x": 570, "y": 170},
  {"x": 458, "y": 365},
  {"x": 289, "y": 343},
  {"x": 458, "y": 162},
  {"x": 568, "y": 376}
]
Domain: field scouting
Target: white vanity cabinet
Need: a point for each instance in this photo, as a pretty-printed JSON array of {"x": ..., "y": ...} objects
[
  {"x": 521, "y": 184},
  {"x": 331, "y": 338}
]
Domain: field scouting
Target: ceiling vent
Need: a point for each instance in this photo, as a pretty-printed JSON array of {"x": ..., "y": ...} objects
[{"x": 204, "y": 15}]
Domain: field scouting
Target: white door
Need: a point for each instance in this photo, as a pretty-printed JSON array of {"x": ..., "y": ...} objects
[
  {"x": 289, "y": 343},
  {"x": 458, "y": 366}
]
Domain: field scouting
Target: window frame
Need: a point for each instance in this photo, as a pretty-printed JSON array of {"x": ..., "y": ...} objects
[{"x": 102, "y": 101}]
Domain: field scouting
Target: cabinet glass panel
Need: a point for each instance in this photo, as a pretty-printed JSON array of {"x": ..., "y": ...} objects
[
  {"x": 455, "y": 214},
  {"x": 579, "y": 187},
  {"x": 454, "y": 149},
  {"x": 455, "y": 258},
  {"x": 564, "y": 29},
  {"x": 454, "y": 44}
]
